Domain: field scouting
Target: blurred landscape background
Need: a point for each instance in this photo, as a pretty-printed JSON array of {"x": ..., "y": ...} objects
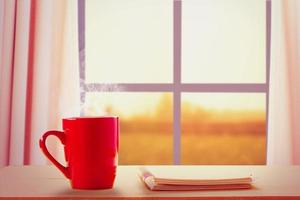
[
  {"x": 216, "y": 128},
  {"x": 210, "y": 133}
]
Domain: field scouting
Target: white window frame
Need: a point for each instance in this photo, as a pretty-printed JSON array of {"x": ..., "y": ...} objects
[{"x": 177, "y": 87}]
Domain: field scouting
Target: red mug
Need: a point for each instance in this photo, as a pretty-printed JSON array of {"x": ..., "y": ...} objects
[{"x": 91, "y": 150}]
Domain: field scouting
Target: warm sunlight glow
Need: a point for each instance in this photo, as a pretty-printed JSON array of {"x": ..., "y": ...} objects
[
  {"x": 227, "y": 101},
  {"x": 129, "y": 41},
  {"x": 124, "y": 104},
  {"x": 223, "y": 41}
]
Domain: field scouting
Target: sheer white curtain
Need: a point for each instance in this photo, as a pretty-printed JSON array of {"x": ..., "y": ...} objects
[
  {"x": 284, "y": 114},
  {"x": 39, "y": 75}
]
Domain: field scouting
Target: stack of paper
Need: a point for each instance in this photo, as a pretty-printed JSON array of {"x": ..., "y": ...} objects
[{"x": 172, "y": 184}]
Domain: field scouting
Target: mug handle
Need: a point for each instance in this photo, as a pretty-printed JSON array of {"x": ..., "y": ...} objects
[{"x": 62, "y": 138}]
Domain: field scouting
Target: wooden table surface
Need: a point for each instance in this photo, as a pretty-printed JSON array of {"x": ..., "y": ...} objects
[{"x": 47, "y": 182}]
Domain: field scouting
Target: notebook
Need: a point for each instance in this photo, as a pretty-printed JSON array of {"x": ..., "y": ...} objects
[{"x": 174, "y": 184}]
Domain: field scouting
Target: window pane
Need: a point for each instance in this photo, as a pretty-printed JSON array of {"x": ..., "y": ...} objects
[
  {"x": 223, "y": 128},
  {"x": 223, "y": 41},
  {"x": 146, "y": 124},
  {"x": 129, "y": 41}
]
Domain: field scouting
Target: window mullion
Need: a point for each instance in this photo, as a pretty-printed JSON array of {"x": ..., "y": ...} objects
[
  {"x": 177, "y": 82},
  {"x": 81, "y": 49}
]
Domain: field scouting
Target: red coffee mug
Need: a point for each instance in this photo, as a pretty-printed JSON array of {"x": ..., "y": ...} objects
[{"x": 91, "y": 150}]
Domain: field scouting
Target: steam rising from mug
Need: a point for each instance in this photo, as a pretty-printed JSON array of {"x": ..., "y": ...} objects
[{"x": 92, "y": 107}]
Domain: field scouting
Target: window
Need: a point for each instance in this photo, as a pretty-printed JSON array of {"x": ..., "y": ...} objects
[{"x": 189, "y": 79}]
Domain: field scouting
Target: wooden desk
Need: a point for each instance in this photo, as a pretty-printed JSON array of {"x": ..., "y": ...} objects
[{"x": 47, "y": 182}]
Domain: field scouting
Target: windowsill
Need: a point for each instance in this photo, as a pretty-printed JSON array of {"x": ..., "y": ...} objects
[{"x": 48, "y": 182}]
